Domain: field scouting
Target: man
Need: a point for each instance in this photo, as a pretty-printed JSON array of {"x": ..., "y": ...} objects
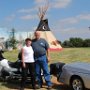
[{"x": 41, "y": 55}]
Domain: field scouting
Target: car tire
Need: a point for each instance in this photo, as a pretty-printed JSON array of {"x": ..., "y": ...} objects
[{"x": 77, "y": 84}]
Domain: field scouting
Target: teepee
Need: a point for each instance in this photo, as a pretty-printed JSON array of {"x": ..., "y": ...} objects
[{"x": 45, "y": 31}]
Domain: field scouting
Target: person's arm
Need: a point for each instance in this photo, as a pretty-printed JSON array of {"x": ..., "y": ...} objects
[
  {"x": 23, "y": 63},
  {"x": 47, "y": 50},
  {"x": 48, "y": 55}
]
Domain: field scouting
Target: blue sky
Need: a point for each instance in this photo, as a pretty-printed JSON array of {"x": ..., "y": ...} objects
[{"x": 67, "y": 18}]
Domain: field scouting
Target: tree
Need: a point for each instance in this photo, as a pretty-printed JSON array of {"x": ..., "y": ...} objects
[
  {"x": 86, "y": 43},
  {"x": 67, "y": 43},
  {"x": 76, "y": 42},
  {"x": 12, "y": 39}
]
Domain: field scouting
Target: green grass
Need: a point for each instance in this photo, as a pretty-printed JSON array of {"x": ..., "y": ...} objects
[
  {"x": 67, "y": 55},
  {"x": 11, "y": 55}
]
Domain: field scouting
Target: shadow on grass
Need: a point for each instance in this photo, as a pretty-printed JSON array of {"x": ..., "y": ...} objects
[
  {"x": 15, "y": 84},
  {"x": 10, "y": 84}
]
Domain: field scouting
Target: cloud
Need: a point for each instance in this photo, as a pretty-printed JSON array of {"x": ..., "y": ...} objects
[
  {"x": 60, "y": 3},
  {"x": 53, "y": 3},
  {"x": 10, "y": 18},
  {"x": 28, "y": 17},
  {"x": 84, "y": 16},
  {"x": 74, "y": 30},
  {"x": 31, "y": 13},
  {"x": 71, "y": 31},
  {"x": 75, "y": 19},
  {"x": 28, "y": 10},
  {"x": 42, "y": 4},
  {"x": 70, "y": 25},
  {"x": 71, "y": 20},
  {"x": 39, "y": 1}
]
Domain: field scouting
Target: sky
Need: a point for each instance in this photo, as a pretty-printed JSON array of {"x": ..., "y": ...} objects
[{"x": 67, "y": 18}]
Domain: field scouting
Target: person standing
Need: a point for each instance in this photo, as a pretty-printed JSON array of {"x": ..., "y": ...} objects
[
  {"x": 27, "y": 61},
  {"x": 41, "y": 55}
]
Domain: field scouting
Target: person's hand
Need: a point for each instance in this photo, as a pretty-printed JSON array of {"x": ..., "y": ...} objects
[
  {"x": 24, "y": 65},
  {"x": 48, "y": 59}
]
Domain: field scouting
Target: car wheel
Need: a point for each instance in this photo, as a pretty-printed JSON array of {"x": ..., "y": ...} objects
[{"x": 77, "y": 84}]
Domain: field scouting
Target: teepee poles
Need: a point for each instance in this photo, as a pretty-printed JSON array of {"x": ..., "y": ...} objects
[{"x": 43, "y": 10}]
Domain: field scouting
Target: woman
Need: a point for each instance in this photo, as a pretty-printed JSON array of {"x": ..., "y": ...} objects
[{"x": 27, "y": 63}]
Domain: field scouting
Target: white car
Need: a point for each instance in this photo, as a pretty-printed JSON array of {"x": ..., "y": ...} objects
[{"x": 76, "y": 75}]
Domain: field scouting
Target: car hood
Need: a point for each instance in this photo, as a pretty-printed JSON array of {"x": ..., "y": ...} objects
[{"x": 81, "y": 67}]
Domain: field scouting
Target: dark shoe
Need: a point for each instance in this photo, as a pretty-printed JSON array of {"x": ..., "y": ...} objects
[
  {"x": 38, "y": 86},
  {"x": 34, "y": 89},
  {"x": 21, "y": 88},
  {"x": 50, "y": 87}
]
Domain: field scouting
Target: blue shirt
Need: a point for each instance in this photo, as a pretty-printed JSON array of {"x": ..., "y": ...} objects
[{"x": 39, "y": 46}]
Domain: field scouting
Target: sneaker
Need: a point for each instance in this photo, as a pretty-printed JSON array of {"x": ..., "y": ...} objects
[
  {"x": 34, "y": 88},
  {"x": 38, "y": 86},
  {"x": 21, "y": 88},
  {"x": 50, "y": 87}
]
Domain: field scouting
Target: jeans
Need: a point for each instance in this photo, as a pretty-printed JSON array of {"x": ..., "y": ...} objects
[{"x": 41, "y": 64}]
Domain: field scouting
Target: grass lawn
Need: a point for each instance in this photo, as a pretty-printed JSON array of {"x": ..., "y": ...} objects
[{"x": 67, "y": 55}]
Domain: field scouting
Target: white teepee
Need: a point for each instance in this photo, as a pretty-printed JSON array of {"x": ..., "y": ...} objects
[{"x": 45, "y": 31}]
